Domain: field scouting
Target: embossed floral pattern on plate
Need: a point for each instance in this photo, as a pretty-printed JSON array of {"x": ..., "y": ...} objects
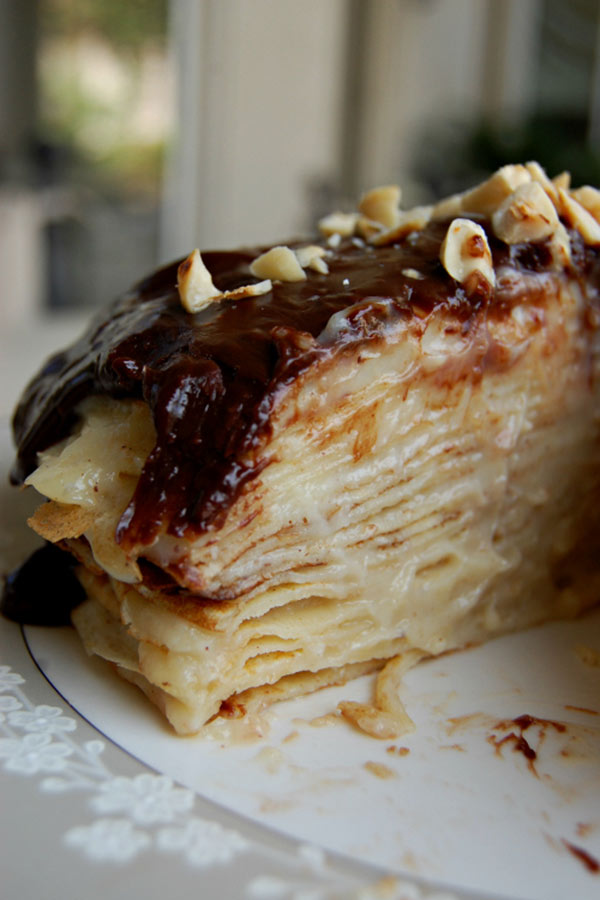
[{"x": 149, "y": 812}]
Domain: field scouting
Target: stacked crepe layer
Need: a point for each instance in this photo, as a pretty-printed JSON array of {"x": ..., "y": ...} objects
[{"x": 430, "y": 493}]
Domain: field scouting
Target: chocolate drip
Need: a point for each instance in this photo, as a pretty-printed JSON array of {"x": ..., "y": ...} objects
[
  {"x": 44, "y": 590},
  {"x": 212, "y": 379}
]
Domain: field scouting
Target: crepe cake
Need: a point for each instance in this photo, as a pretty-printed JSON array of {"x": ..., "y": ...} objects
[{"x": 284, "y": 466}]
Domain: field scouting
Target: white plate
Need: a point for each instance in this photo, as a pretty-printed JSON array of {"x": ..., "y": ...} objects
[{"x": 102, "y": 791}]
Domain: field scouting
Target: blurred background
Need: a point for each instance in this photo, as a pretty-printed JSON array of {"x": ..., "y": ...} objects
[{"x": 131, "y": 132}]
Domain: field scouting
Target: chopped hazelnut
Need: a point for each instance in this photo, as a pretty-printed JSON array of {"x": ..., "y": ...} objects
[
  {"x": 279, "y": 264},
  {"x": 408, "y": 220},
  {"x": 368, "y": 228},
  {"x": 195, "y": 284},
  {"x": 560, "y": 246},
  {"x": 589, "y": 197},
  {"x": 528, "y": 214},
  {"x": 340, "y": 223},
  {"x": 578, "y": 217},
  {"x": 562, "y": 181},
  {"x": 487, "y": 197},
  {"x": 197, "y": 291},
  {"x": 539, "y": 175},
  {"x": 449, "y": 208},
  {"x": 247, "y": 290},
  {"x": 381, "y": 205},
  {"x": 311, "y": 257},
  {"x": 465, "y": 254}
]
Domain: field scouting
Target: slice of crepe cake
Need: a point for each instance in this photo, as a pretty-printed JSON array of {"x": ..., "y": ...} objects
[{"x": 282, "y": 467}]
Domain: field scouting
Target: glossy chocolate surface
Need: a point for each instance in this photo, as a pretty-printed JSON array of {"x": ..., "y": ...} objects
[
  {"x": 44, "y": 590},
  {"x": 211, "y": 379}
]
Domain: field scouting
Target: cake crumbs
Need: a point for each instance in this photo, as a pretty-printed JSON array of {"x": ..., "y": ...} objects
[
  {"x": 379, "y": 770},
  {"x": 588, "y": 656},
  {"x": 323, "y": 721},
  {"x": 385, "y": 887},
  {"x": 583, "y": 709},
  {"x": 398, "y": 751}
]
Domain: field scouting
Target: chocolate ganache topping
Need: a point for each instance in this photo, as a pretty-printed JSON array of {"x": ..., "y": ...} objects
[{"x": 211, "y": 379}]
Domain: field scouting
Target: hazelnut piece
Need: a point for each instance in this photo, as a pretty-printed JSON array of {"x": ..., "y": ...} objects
[
  {"x": 195, "y": 284},
  {"x": 487, "y": 197},
  {"x": 279, "y": 264},
  {"x": 340, "y": 223},
  {"x": 528, "y": 214},
  {"x": 578, "y": 217},
  {"x": 589, "y": 197},
  {"x": 381, "y": 205},
  {"x": 466, "y": 256},
  {"x": 408, "y": 220},
  {"x": 312, "y": 257}
]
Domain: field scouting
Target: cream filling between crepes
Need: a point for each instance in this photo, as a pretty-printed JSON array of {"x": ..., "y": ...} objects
[
  {"x": 404, "y": 512},
  {"x": 91, "y": 476}
]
